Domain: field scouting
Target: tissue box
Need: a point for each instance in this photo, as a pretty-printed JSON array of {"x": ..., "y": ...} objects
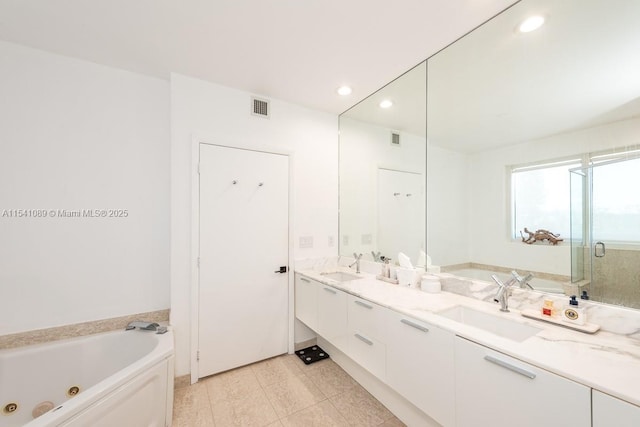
[{"x": 409, "y": 277}]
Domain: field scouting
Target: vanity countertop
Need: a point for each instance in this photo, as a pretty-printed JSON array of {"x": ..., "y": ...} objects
[{"x": 604, "y": 361}]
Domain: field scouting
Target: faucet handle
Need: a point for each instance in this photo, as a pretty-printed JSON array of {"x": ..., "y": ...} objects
[
  {"x": 522, "y": 281},
  {"x": 498, "y": 281}
]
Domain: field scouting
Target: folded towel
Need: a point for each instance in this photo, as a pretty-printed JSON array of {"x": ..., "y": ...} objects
[{"x": 404, "y": 261}]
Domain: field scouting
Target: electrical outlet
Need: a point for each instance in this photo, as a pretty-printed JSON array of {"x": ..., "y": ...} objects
[
  {"x": 345, "y": 240},
  {"x": 366, "y": 239},
  {"x": 306, "y": 242},
  {"x": 330, "y": 241}
]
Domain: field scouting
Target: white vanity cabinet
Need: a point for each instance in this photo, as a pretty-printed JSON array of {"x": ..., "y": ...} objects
[
  {"x": 420, "y": 365},
  {"x": 366, "y": 335},
  {"x": 609, "y": 411},
  {"x": 332, "y": 316},
  {"x": 496, "y": 390},
  {"x": 306, "y": 296}
]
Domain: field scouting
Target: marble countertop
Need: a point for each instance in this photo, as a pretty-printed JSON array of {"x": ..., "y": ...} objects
[{"x": 605, "y": 361}]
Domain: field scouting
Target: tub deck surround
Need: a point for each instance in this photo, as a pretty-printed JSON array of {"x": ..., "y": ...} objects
[
  {"x": 113, "y": 372},
  {"x": 79, "y": 329},
  {"x": 608, "y": 361}
]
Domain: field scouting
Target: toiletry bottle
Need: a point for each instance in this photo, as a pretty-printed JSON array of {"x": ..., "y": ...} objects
[
  {"x": 573, "y": 313},
  {"x": 387, "y": 268},
  {"x": 547, "y": 308}
]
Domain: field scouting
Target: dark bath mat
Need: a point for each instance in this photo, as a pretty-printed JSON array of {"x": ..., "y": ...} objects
[{"x": 311, "y": 354}]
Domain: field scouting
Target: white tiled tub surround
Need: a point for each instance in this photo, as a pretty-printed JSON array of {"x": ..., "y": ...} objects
[
  {"x": 608, "y": 361},
  {"x": 40, "y": 336}
]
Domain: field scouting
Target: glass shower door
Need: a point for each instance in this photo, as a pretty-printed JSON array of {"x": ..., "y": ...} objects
[{"x": 615, "y": 232}]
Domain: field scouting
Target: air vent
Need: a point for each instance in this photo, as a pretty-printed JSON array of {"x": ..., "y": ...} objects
[
  {"x": 260, "y": 107},
  {"x": 395, "y": 139}
]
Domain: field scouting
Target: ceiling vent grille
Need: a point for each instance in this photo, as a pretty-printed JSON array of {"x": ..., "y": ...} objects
[
  {"x": 260, "y": 107},
  {"x": 395, "y": 139}
]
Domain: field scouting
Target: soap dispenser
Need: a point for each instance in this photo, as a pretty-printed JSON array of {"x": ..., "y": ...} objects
[{"x": 573, "y": 313}]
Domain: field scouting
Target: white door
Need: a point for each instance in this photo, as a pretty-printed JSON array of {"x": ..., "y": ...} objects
[
  {"x": 244, "y": 223},
  {"x": 400, "y": 213}
]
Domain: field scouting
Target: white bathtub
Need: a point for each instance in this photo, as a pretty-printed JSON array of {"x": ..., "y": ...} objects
[
  {"x": 538, "y": 284},
  {"x": 125, "y": 379}
]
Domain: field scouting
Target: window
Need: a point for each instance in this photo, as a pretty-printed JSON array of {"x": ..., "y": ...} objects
[
  {"x": 541, "y": 196},
  {"x": 616, "y": 201}
]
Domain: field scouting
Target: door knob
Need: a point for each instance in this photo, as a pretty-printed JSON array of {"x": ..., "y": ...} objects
[{"x": 282, "y": 270}]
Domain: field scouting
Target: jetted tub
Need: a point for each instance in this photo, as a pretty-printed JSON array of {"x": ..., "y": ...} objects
[
  {"x": 122, "y": 378},
  {"x": 537, "y": 283}
]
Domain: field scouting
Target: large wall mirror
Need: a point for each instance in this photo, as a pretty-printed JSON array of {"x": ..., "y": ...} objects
[
  {"x": 383, "y": 170},
  {"x": 537, "y": 130}
]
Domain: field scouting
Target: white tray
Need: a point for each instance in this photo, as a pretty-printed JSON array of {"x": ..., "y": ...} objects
[{"x": 588, "y": 328}]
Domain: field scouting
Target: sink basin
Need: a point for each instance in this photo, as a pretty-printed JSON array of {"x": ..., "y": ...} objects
[
  {"x": 496, "y": 325},
  {"x": 340, "y": 276}
]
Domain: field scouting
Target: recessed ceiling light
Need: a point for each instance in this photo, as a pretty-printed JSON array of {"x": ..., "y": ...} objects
[
  {"x": 344, "y": 90},
  {"x": 531, "y": 23},
  {"x": 386, "y": 104}
]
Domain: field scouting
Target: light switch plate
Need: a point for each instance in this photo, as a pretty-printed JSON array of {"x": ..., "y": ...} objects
[{"x": 306, "y": 242}]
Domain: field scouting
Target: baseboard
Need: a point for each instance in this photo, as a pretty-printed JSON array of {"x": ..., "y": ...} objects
[{"x": 404, "y": 410}]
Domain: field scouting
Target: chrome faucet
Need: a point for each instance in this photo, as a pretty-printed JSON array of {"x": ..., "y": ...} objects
[
  {"x": 147, "y": 326},
  {"x": 523, "y": 281},
  {"x": 356, "y": 262},
  {"x": 504, "y": 292}
]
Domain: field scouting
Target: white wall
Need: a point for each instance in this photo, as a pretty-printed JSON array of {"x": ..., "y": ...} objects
[
  {"x": 76, "y": 135},
  {"x": 364, "y": 148},
  {"x": 490, "y": 243},
  {"x": 222, "y": 115},
  {"x": 448, "y": 213}
]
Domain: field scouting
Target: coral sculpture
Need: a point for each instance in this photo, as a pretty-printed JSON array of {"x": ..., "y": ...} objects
[{"x": 540, "y": 236}]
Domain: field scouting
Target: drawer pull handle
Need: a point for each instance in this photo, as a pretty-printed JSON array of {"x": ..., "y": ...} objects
[
  {"x": 363, "y": 304},
  {"x": 304, "y": 280},
  {"x": 510, "y": 367},
  {"x": 330, "y": 290},
  {"x": 414, "y": 325},
  {"x": 363, "y": 339}
]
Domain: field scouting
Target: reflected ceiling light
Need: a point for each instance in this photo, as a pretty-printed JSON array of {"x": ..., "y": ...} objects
[
  {"x": 344, "y": 90},
  {"x": 386, "y": 104},
  {"x": 531, "y": 23}
]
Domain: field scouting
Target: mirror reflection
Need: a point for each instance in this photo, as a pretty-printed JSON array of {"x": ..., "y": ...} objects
[
  {"x": 510, "y": 113},
  {"x": 530, "y": 147},
  {"x": 383, "y": 171}
]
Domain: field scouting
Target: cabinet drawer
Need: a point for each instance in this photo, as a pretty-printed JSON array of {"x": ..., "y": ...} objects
[
  {"x": 367, "y": 318},
  {"x": 610, "y": 411},
  {"x": 497, "y": 390},
  {"x": 368, "y": 352},
  {"x": 306, "y": 300},
  {"x": 332, "y": 316},
  {"x": 420, "y": 365}
]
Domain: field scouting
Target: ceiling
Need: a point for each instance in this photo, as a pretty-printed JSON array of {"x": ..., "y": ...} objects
[
  {"x": 294, "y": 50},
  {"x": 409, "y": 110},
  {"x": 497, "y": 87}
]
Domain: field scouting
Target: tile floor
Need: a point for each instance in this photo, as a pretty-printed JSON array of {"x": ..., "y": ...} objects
[{"x": 280, "y": 392}]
